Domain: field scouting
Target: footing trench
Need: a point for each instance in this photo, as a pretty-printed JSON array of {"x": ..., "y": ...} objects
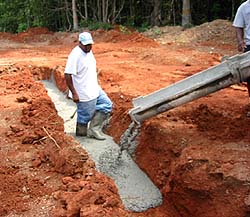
[{"x": 137, "y": 191}]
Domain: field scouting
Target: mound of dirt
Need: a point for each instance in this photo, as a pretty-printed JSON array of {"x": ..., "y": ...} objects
[
  {"x": 37, "y": 34},
  {"x": 118, "y": 35},
  {"x": 220, "y": 31}
]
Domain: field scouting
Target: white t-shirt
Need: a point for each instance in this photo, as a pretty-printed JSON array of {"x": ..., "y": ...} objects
[
  {"x": 82, "y": 67},
  {"x": 242, "y": 20}
]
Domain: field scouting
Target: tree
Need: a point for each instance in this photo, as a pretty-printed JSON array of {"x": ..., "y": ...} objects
[
  {"x": 85, "y": 9},
  {"x": 186, "y": 14},
  {"x": 17, "y": 16},
  {"x": 74, "y": 12},
  {"x": 116, "y": 12},
  {"x": 156, "y": 13}
]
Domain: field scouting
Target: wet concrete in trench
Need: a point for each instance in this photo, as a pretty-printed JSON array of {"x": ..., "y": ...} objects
[{"x": 137, "y": 191}]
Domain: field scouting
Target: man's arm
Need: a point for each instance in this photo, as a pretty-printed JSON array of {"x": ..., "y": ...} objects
[
  {"x": 70, "y": 85},
  {"x": 240, "y": 38}
]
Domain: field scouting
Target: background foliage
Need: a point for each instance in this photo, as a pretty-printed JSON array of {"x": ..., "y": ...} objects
[{"x": 56, "y": 15}]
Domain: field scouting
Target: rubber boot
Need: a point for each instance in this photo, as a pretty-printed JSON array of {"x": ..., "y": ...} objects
[
  {"x": 81, "y": 129},
  {"x": 95, "y": 126}
]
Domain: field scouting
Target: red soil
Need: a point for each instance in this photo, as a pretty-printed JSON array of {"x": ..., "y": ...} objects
[{"x": 197, "y": 154}]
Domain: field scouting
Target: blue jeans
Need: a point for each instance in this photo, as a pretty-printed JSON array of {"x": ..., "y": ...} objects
[{"x": 86, "y": 110}]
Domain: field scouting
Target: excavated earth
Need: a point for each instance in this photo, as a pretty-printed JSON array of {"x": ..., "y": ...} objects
[{"x": 196, "y": 154}]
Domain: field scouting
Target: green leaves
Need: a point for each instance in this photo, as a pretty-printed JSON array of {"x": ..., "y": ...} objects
[{"x": 17, "y": 16}]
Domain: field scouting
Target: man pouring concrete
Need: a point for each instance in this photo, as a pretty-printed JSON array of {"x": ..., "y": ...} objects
[{"x": 93, "y": 104}]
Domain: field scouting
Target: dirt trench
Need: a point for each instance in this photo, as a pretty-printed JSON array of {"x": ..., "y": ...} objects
[{"x": 196, "y": 154}]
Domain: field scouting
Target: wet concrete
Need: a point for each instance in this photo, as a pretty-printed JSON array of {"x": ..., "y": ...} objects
[{"x": 137, "y": 191}]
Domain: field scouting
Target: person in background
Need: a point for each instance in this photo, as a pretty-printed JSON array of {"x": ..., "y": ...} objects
[
  {"x": 242, "y": 26},
  {"x": 93, "y": 104}
]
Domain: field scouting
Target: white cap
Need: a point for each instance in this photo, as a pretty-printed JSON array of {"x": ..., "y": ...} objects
[{"x": 85, "y": 38}]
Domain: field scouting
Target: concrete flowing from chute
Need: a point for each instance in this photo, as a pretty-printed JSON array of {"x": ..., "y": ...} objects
[{"x": 137, "y": 191}]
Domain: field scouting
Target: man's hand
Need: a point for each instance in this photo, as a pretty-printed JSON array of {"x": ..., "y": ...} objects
[
  {"x": 75, "y": 97},
  {"x": 69, "y": 82},
  {"x": 240, "y": 39},
  {"x": 241, "y": 46}
]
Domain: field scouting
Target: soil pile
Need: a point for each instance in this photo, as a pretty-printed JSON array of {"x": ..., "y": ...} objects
[{"x": 220, "y": 31}]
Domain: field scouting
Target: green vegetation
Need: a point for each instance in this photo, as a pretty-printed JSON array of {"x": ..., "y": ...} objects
[
  {"x": 94, "y": 25},
  {"x": 56, "y": 15}
]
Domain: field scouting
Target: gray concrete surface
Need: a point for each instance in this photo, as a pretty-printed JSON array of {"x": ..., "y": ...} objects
[{"x": 136, "y": 190}]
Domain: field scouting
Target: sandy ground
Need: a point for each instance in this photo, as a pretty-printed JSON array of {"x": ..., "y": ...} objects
[{"x": 197, "y": 154}]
